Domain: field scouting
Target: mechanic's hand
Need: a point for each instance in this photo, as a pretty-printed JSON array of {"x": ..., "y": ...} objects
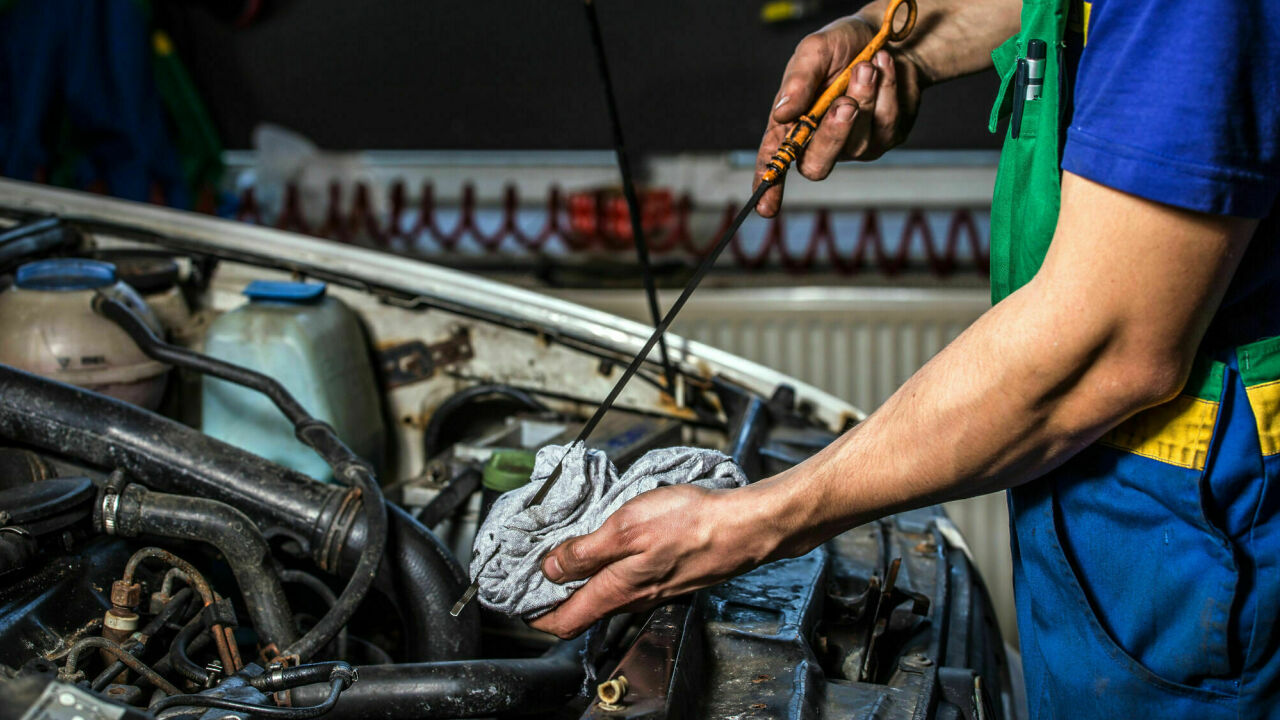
[
  {"x": 663, "y": 543},
  {"x": 873, "y": 115}
]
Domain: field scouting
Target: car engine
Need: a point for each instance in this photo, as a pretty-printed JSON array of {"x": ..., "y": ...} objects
[{"x": 203, "y": 515}]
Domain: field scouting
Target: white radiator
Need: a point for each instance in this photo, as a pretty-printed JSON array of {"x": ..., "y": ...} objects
[{"x": 858, "y": 343}]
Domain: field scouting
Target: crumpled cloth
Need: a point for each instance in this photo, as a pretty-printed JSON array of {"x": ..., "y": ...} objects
[{"x": 506, "y": 559}]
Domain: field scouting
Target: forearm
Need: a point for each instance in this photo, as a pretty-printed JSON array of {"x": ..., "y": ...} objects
[
  {"x": 1018, "y": 393},
  {"x": 953, "y": 37}
]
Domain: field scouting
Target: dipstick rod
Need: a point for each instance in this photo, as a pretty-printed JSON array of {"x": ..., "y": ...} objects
[
  {"x": 637, "y": 361},
  {"x": 797, "y": 138},
  {"x": 629, "y": 187}
]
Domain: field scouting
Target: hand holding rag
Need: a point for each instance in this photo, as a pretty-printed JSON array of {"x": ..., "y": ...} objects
[{"x": 508, "y": 551}]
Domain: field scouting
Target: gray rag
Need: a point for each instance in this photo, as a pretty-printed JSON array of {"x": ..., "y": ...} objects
[{"x": 506, "y": 559}]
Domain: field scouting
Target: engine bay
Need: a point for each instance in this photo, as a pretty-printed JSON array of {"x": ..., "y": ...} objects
[{"x": 241, "y": 483}]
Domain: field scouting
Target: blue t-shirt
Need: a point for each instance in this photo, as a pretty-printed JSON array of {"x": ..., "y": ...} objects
[{"x": 1178, "y": 101}]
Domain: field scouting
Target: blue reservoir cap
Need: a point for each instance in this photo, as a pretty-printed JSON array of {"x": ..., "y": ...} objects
[
  {"x": 294, "y": 292},
  {"x": 65, "y": 275}
]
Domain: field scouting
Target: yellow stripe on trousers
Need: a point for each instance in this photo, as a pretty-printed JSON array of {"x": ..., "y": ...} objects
[
  {"x": 1177, "y": 432},
  {"x": 1265, "y": 401}
]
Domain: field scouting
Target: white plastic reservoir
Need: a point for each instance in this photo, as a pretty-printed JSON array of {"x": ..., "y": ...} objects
[
  {"x": 313, "y": 345},
  {"x": 50, "y": 329}
]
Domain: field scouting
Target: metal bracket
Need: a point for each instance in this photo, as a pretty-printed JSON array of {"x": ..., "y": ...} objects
[
  {"x": 660, "y": 673},
  {"x": 415, "y": 361}
]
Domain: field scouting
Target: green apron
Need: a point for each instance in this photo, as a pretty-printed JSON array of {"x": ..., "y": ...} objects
[
  {"x": 1139, "y": 563},
  {"x": 1024, "y": 209}
]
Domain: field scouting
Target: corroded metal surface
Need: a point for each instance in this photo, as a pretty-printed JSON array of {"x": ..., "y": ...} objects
[
  {"x": 886, "y": 621},
  {"x": 663, "y": 668}
]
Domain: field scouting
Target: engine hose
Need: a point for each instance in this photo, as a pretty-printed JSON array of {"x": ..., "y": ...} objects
[
  {"x": 313, "y": 432},
  {"x": 362, "y": 577},
  {"x": 201, "y": 641},
  {"x": 139, "y": 511},
  {"x": 337, "y": 685},
  {"x": 459, "y": 689},
  {"x": 329, "y": 520},
  {"x": 317, "y": 586},
  {"x": 284, "y": 678},
  {"x": 179, "y": 659},
  {"x": 443, "y": 416},
  {"x": 451, "y": 497},
  {"x": 17, "y": 547}
]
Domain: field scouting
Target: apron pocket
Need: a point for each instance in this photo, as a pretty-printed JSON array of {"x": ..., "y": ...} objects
[{"x": 1031, "y": 111}]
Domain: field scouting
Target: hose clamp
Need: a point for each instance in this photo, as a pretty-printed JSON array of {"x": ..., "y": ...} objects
[
  {"x": 275, "y": 677},
  {"x": 346, "y": 673},
  {"x": 110, "y": 505}
]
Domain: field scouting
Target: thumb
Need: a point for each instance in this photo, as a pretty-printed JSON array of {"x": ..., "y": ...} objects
[{"x": 581, "y": 557}]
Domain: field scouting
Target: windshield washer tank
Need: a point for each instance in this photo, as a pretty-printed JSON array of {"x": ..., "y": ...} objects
[{"x": 313, "y": 345}]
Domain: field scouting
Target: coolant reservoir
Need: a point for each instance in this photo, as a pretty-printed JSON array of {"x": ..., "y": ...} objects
[
  {"x": 50, "y": 329},
  {"x": 313, "y": 345}
]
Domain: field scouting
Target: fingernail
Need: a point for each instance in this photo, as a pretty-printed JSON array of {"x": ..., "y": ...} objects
[
  {"x": 551, "y": 568},
  {"x": 866, "y": 74},
  {"x": 844, "y": 113},
  {"x": 782, "y": 102}
]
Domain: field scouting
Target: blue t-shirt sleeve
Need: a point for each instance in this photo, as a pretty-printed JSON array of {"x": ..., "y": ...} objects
[{"x": 1178, "y": 101}]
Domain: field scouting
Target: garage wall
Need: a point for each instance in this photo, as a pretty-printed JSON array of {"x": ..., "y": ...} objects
[{"x": 519, "y": 75}]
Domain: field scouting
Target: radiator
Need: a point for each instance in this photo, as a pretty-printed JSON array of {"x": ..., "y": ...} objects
[{"x": 858, "y": 343}]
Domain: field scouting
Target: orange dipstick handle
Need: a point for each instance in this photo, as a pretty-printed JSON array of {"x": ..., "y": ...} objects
[{"x": 802, "y": 132}]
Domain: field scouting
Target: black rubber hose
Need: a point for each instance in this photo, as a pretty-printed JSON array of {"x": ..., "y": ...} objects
[
  {"x": 364, "y": 574},
  {"x": 166, "y": 455},
  {"x": 286, "y": 678},
  {"x": 443, "y": 416},
  {"x": 140, "y": 511},
  {"x": 180, "y": 661},
  {"x": 317, "y": 586},
  {"x": 17, "y": 547},
  {"x": 336, "y": 686},
  {"x": 454, "y": 494},
  {"x": 460, "y": 689},
  {"x": 164, "y": 665},
  {"x": 313, "y": 432},
  {"x": 176, "y": 605},
  {"x": 426, "y": 579}
]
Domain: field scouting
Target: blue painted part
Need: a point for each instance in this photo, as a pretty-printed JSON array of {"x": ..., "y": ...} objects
[
  {"x": 276, "y": 291},
  {"x": 65, "y": 275}
]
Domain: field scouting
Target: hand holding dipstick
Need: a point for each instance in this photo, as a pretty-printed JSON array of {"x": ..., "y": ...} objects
[
  {"x": 797, "y": 138},
  {"x": 803, "y": 129}
]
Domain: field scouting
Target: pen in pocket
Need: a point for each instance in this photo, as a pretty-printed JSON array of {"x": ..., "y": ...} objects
[
  {"x": 1019, "y": 97},
  {"x": 1028, "y": 82},
  {"x": 1035, "y": 69}
]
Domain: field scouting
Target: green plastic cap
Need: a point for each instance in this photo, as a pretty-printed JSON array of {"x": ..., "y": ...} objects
[{"x": 508, "y": 469}]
